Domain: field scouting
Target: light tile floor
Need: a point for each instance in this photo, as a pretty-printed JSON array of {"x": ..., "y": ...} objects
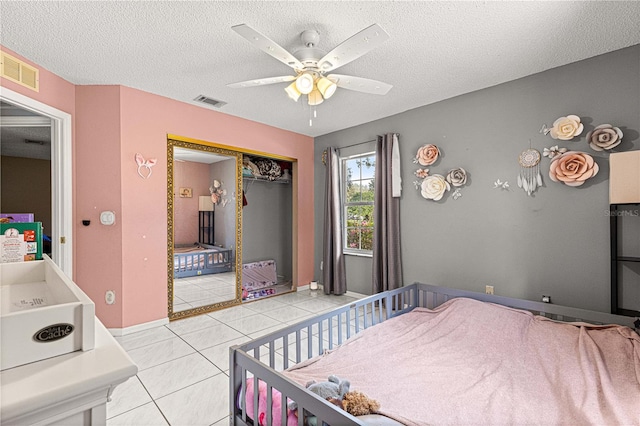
[
  {"x": 183, "y": 366},
  {"x": 202, "y": 290}
]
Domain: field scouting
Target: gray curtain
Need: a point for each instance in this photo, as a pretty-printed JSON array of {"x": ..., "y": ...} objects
[
  {"x": 334, "y": 278},
  {"x": 387, "y": 260}
]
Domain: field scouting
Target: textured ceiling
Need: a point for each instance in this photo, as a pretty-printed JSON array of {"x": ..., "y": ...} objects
[{"x": 436, "y": 50}]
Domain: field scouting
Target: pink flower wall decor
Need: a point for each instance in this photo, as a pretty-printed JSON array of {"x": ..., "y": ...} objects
[
  {"x": 573, "y": 168},
  {"x": 427, "y": 155}
]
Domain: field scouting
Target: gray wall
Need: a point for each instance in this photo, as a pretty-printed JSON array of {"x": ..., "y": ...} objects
[
  {"x": 266, "y": 224},
  {"x": 554, "y": 243},
  {"x": 225, "y": 216}
]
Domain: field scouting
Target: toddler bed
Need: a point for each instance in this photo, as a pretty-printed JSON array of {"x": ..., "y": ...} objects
[
  {"x": 434, "y": 355},
  {"x": 200, "y": 259}
]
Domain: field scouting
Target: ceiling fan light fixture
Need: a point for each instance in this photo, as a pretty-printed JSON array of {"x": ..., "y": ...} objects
[
  {"x": 326, "y": 87},
  {"x": 315, "y": 97},
  {"x": 293, "y": 91},
  {"x": 304, "y": 83}
]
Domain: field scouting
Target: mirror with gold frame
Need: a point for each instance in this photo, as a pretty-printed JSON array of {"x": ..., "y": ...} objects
[{"x": 204, "y": 238}]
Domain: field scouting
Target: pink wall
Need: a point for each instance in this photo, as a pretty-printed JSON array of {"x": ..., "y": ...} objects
[
  {"x": 98, "y": 248},
  {"x": 54, "y": 91},
  {"x": 146, "y": 121},
  {"x": 185, "y": 210},
  {"x": 111, "y": 125}
]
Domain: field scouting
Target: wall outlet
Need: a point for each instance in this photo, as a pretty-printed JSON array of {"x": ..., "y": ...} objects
[
  {"x": 488, "y": 289},
  {"x": 546, "y": 299},
  {"x": 110, "y": 297}
]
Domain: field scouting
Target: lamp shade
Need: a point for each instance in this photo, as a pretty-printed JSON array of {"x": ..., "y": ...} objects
[
  {"x": 293, "y": 91},
  {"x": 315, "y": 98},
  {"x": 326, "y": 87},
  {"x": 304, "y": 83},
  {"x": 205, "y": 204},
  {"x": 624, "y": 177}
]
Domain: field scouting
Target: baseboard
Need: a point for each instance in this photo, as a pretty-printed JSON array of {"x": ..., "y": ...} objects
[
  {"x": 118, "y": 332},
  {"x": 354, "y": 294},
  {"x": 320, "y": 288}
]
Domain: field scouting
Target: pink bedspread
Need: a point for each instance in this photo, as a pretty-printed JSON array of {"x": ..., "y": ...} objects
[{"x": 469, "y": 362}]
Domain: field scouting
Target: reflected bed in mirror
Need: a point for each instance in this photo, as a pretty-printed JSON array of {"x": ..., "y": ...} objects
[{"x": 204, "y": 242}]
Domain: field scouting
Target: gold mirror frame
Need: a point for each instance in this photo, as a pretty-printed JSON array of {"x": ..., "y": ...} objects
[{"x": 197, "y": 145}]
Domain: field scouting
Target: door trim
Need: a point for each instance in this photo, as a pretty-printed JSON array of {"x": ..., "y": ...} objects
[{"x": 61, "y": 176}]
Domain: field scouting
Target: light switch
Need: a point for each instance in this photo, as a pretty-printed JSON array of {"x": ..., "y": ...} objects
[{"x": 107, "y": 218}]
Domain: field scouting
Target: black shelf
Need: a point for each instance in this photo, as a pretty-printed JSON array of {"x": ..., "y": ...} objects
[
  {"x": 616, "y": 212},
  {"x": 206, "y": 228}
]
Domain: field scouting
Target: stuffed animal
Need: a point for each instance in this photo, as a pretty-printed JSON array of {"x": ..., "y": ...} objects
[
  {"x": 276, "y": 411},
  {"x": 333, "y": 388},
  {"x": 358, "y": 404}
]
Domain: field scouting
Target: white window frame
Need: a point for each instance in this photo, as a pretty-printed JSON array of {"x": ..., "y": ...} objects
[{"x": 343, "y": 189}]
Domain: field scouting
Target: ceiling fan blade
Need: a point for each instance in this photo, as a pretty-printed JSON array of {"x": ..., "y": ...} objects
[
  {"x": 262, "y": 81},
  {"x": 267, "y": 45},
  {"x": 354, "y": 47},
  {"x": 360, "y": 84}
]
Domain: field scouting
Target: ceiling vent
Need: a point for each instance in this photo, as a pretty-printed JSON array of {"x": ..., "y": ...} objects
[
  {"x": 19, "y": 71},
  {"x": 210, "y": 101}
]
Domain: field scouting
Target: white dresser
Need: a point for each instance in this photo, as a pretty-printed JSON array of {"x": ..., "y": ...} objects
[
  {"x": 59, "y": 364},
  {"x": 68, "y": 390}
]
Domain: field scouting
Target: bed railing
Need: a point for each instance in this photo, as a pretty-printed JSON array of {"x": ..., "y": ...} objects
[
  {"x": 265, "y": 357},
  {"x": 430, "y": 296}
]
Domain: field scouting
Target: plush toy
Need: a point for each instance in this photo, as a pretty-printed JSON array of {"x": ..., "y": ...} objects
[
  {"x": 276, "y": 412},
  {"x": 358, "y": 404},
  {"x": 333, "y": 388}
]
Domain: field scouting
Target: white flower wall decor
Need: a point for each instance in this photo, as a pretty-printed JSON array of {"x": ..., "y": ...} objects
[
  {"x": 498, "y": 184},
  {"x": 566, "y": 128},
  {"x": 433, "y": 187},
  {"x": 553, "y": 152}
]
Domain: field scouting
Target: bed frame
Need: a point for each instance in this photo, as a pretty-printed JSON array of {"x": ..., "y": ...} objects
[
  {"x": 213, "y": 260},
  {"x": 258, "y": 357}
]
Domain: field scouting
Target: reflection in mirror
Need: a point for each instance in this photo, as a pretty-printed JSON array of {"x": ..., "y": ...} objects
[{"x": 204, "y": 216}]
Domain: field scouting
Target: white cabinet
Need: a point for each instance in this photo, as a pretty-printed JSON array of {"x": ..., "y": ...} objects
[{"x": 59, "y": 363}]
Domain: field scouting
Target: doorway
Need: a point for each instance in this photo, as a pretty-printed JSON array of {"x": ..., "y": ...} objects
[{"x": 38, "y": 135}]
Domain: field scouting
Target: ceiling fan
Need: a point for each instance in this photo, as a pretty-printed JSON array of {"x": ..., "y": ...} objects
[{"x": 311, "y": 64}]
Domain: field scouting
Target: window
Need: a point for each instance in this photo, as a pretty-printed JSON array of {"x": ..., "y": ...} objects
[{"x": 358, "y": 185}]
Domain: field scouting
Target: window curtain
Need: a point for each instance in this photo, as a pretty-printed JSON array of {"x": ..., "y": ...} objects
[
  {"x": 387, "y": 260},
  {"x": 334, "y": 278}
]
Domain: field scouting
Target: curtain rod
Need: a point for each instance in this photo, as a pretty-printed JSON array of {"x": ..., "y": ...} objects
[
  {"x": 356, "y": 144},
  {"x": 362, "y": 143},
  {"x": 324, "y": 152}
]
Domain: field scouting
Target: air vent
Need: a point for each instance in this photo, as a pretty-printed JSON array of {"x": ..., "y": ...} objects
[
  {"x": 18, "y": 71},
  {"x": 210, "y": 101}
]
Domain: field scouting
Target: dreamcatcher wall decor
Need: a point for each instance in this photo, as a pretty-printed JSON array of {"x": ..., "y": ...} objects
[{"x": 529, "y": 178}]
